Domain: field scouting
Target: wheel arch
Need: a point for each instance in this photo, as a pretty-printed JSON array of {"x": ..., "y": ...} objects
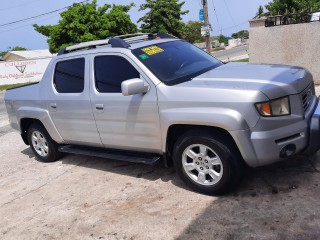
[
  {"x": 175, "y": 131},
  {"x": 28, "y": 115},
  {"x": 25, "y": 124}
]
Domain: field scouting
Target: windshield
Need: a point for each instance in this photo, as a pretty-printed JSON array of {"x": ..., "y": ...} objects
[{"x": 175, "y": 62}]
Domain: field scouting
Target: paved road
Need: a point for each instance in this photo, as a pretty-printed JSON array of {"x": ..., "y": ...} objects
[
  {"x": 2, "y": 108},
  {"x": 232, "y": 53},
  {"x": 4, "y": 123}
]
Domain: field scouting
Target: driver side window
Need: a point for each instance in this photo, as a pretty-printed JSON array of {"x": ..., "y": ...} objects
[{"x": 111, "y": 71}]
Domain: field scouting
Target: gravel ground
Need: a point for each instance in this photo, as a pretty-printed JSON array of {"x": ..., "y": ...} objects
[{"x": 82, "y": 197}]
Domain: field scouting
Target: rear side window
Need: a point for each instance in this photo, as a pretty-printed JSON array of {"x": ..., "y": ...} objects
[
  {"x": 111, "y": 71},
  {"x": 69, "y": 76}
]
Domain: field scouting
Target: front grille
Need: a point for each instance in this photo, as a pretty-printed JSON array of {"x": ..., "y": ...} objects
[{"x": 306, "y": 98}]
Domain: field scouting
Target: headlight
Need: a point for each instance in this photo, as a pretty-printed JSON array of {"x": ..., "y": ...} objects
[{"x": 278, "y": 107}]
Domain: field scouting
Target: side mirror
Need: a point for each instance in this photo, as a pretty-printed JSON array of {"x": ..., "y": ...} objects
[{"x": 133, "y": 86}]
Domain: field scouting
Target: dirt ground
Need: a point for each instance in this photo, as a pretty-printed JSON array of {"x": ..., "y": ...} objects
[{"x": 82, "y": 197}]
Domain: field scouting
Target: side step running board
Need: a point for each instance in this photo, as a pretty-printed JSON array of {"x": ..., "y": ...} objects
[{"x": 122, "y": 155}]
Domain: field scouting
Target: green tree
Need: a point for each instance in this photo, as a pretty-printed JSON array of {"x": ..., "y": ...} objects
[
  {"x": 87, "y": 22},
  {"x": 192, "y": 32},
  {"x": 241, "y": 34},
  {"x": 163, "y": 16},
  {"x": 223, "y": 39},
  {"x": 120, "y": 20},
  {"x": 282, "y": 7},
  {"x": 259, "y": 14},
  {"x": 17, "y": 48}
]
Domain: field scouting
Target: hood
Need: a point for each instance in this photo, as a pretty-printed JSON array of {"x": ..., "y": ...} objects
[{"x": 273, "y": 80}]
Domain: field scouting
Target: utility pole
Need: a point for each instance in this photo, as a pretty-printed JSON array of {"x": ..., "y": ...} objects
[{"x": 206, "y": 23}]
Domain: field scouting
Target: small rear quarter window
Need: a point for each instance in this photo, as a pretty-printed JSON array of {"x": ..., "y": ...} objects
[{"x": 69, "y": 76}]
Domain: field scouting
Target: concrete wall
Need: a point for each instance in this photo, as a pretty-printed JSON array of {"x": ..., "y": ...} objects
[{"x": 297, "y": 45}]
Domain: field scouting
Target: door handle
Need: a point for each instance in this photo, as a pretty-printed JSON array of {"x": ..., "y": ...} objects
[
  {"x": 53, "y": 105},
  {"x": 99, "y": 107}
]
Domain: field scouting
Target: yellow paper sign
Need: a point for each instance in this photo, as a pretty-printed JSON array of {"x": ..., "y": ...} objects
[{"x": 152, "y": 50}]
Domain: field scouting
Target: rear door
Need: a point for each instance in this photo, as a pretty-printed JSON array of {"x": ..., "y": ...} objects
[
  {"x": 124, "y": 122},
  {"x": 69, "y": 102}
]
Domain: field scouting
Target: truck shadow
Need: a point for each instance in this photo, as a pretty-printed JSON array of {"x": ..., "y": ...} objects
[
  {"x": 280, "y": 201},
  {"x": 281, "y": 177},
  {"x": 138, "y": 170}
]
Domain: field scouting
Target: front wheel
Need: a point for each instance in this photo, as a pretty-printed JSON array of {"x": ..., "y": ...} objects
[
  {"x": 44, "y": 148},
  {"x": 206, "y": 164}
]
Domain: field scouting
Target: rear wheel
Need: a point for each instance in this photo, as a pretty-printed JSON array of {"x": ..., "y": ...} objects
[
  {"x": 206, "y": 164},
  {"x": 44, "y": 148}
]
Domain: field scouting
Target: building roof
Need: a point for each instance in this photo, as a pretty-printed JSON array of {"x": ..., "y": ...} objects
[{"x": 28, "y": 54}]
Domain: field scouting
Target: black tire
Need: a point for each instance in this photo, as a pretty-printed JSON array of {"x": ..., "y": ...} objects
[
  {"x": 51, "y": 154},
  {"x": 230, "y": 163}
]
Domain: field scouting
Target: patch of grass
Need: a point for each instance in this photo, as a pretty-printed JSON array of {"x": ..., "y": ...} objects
[
  {"x": 5, "y": 87},
  {"x": 242, "y": 60},
  {"x": 217, "y": 49}
]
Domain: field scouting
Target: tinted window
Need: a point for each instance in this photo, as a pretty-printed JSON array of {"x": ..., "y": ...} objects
[
  {"x": 176, "y": 62},
  {"x": 111, "y": 71},
  {"x": 69, "y": 76}
]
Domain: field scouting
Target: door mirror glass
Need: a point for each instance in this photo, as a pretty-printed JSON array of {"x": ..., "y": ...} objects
[{"x": 133, "y": 86}]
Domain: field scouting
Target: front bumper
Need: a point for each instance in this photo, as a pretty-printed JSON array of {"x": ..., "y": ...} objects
[
  {"x": 314, "y": 132},
  {"x": 259, "y": 148}
]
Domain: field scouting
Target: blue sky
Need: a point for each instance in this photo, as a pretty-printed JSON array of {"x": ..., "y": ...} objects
[{"x": 229, "y": 14}]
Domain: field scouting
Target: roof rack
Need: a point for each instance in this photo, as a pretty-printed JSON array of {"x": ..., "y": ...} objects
[
  {"x": 121, "y": 41},
  {"x": 114, "y": 42},
  {"x": 131, "y": 35},
  {"x": 88, "y": 44},
  {"x": 144, "y": 36},
  {"x": 136, "y": 37}
]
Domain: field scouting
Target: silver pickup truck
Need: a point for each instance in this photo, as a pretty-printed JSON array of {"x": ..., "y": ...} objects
[{"x": 151, "y": 97}]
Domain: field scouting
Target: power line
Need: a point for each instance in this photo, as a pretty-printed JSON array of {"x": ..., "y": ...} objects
[
  {"x": 232, "y": 19},
  {"x": 229, "y": 27},
  {"x": 235, "y": 25},
  {"x": 40, "y": 15},
  {"x": 215, "y": 13},
  {"x": 20, "y": 5},
  {"x": 26, "y": 25}
]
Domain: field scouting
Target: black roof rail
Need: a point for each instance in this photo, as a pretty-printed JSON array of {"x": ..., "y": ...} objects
[
  {"x": 118, "y": 43},
  {"x": 165, "y": 35},
  {"x": 62, "y": 51}
]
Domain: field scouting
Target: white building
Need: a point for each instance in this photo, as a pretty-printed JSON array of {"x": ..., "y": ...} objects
[
  {"x": 234, "y": 42},
  {"x": 24, "y": 66}
]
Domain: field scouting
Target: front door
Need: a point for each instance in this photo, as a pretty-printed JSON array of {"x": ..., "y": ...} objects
[{"x": 123, "y": 122}]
